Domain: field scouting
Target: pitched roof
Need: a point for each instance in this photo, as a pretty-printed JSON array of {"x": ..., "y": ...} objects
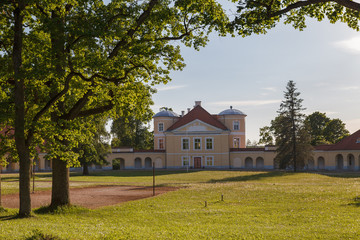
[
  {"x": 351, "y": 142},
  {"x": 198, "y": 113}
]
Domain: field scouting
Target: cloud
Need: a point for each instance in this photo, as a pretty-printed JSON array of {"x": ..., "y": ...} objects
[
  {"x": 270, "y": 89},
  {"x": 351, "y": 45},
  {"x": 168, "y": 88},
  {"x": 246, "y": 103},
  {"x": 350, "y": 88}
]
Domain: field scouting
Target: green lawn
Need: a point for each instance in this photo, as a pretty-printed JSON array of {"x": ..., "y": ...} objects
[{"x": 257, "y": 205}]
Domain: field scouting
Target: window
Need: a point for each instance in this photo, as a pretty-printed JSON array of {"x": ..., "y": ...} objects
[
  {"x": 161, "y": 127},
  {"x": 236, "y": 143},
  {"x": 185, "y": 161},
  {"x": 185, "y": 143},
  {"x": 161, "y": 143},
  {"x": 236, "y": 125},
  {"x": 209, "y": 161},
  {"x": 209, "y": 143},
  {"x": 197, "y": 143}
]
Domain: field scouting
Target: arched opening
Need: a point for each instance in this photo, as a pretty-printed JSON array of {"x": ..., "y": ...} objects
[
  {"x": 248, "y": 162},
  {"x": 47, "y": 164},
  {"x": 148, "y": 162},
  {"x": 311, "y": 164},
  {"x": 339, "y": 162},
  {"x": 138, "y": 163},
  {"x": 321, "y": 163},
  {"x": 118, "y": 164},
  {"x": 259, "y": 162},
  {"x": 351, "y": 162}
]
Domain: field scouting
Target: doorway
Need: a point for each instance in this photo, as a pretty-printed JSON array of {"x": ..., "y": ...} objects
[{"x": 197, "y": 162}]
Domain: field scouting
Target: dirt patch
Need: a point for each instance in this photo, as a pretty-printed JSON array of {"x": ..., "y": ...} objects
[{"x": 90, "y": 197}]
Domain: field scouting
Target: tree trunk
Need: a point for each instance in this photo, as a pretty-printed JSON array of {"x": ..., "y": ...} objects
[
  {"x": 60, "y": 184},
  {"x": 85, "y": 169},
  {"x": 0, "y": 187},
  {"x": 19, "y": 99}
]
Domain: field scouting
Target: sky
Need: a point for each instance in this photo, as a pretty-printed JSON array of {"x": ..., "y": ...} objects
[{"x": 251, "y": 74}]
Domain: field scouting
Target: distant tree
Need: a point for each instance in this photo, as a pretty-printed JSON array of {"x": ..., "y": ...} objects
[
  {"x": 324, "y": 130},
  {"x": 335, "y": 131},
  {"x": 289, "y": 131},
  {"x": 94, "y": 148},
  {"x": 166, "y": 109}
]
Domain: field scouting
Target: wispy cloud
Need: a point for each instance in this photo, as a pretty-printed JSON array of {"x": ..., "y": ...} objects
[
  {"x": 247, "y": 103},
  {"x": 168, "y": 88},
  {"x": 350, "y": 88},
  {"x": 270, "y": 89},
  {"x": 351, "y": 45}
]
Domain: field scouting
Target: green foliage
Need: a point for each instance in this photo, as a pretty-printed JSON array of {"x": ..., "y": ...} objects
[
  {"x": 324, "y": 130},
  {"x": 258, "y": 16},
  {"x": 291, "y": 136}
]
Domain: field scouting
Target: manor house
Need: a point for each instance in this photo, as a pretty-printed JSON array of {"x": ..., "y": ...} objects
[{"x": 201, "y": 140}]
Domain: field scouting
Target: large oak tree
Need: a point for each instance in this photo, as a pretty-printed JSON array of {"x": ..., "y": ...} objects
[{"x": 62, "y": 61}]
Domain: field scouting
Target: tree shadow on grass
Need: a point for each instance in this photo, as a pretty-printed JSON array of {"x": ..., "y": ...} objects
[
  {"x": 252, "y": 177},
  {"x": 355, "y": 202},
  {"x": 340, "y": 174},
  {"x": 67, "y": 209}
]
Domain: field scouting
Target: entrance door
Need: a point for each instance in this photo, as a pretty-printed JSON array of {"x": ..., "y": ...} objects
[{"x": 197, "y": 162}]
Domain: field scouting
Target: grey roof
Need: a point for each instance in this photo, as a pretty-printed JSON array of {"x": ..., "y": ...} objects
[
  {"x": 232, "y": 111},
  {"x": 166, "y": 113}
]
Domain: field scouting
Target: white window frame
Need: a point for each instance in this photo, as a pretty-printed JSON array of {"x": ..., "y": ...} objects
[
  {"x": 237, "y": 124},
  {"x": 234, "y": 139},
  {"x": 194, "y": 144},
  {"x": 209, "y": 158},
  {"x": 163, "y": 143},
  {"x": 162, "y": 126},
  {"x": 182, "y": 144},
  {"x": 185, "y": 158},
  {"x": 212, "y": 143}
]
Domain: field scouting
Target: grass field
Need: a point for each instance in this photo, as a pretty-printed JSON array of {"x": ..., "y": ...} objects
[{"x": 257, "y": 205}]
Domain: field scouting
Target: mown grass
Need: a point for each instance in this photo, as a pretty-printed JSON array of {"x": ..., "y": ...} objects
[{"x": 257, "y": 205}]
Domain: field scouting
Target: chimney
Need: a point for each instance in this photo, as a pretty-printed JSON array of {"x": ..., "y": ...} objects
[
  {"x": 182, "y": 113},
  {"x": 188, "y": 110},
  {"x": 197, "y": 103}
]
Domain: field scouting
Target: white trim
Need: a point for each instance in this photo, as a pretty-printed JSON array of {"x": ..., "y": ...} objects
[
  {"x": 238, "y": 133},
  {"x": 212, "y": 143},
  {"x": 199, "y": 121},
  {"x": 159, "y": 135},
  {"x": 158, "y": 125},
  {"x": 212, "y": 161},
  {"x": 181, "y": 153},
  {"x": 185, "y": 158},
  {"x": 238, "y": 125},
  {"x": 182, "y": 144},
  {"x": 195, "y": 138},
  {"x": 159, "y": 143},
  {"x": 233, "y": 142}
]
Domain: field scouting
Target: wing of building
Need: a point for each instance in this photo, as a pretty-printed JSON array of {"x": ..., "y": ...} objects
[{"x": 199, "y": 139}]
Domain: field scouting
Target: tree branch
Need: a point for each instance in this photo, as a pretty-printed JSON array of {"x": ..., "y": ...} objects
[
  {"x": 97, "y": 110},
  {"x": 132, "y": 31}
]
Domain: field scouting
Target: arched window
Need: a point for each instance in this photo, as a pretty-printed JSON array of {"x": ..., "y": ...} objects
[
  {"x": 118, "y": 163},
  {"x": 137, "y": 163},
  {"x": 351, "y": 162},
  {"x": 259, "y": 162},
  {"x": 148, "y": 162},
  {"x": 248, "y": 163},
  {"x": 339, "y": 162},
  {"x": 321, "y": 163}
]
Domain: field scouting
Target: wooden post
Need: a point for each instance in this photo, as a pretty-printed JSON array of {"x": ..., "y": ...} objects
[
  {"x": 33, "y": 175},
  {"x": 222, "y": 197},
  {"x": 153, "y": 179},
  {"x": 205, "y": 203}
]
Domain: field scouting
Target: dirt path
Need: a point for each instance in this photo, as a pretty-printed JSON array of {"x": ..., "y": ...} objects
[{"x": 90, "y": 197}]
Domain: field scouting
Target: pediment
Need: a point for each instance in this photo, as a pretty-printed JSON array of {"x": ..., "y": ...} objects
[{"x": 197, "y": 126}]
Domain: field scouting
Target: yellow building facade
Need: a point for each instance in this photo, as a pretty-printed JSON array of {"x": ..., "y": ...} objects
[{"x": 201, "y": 140}]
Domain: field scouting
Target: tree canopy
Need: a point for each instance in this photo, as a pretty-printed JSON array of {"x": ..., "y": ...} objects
[
  {"x": 62, "y": 61},
  {"x": 324, "y": 130},
  {"x": 258, "y": 16}
]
